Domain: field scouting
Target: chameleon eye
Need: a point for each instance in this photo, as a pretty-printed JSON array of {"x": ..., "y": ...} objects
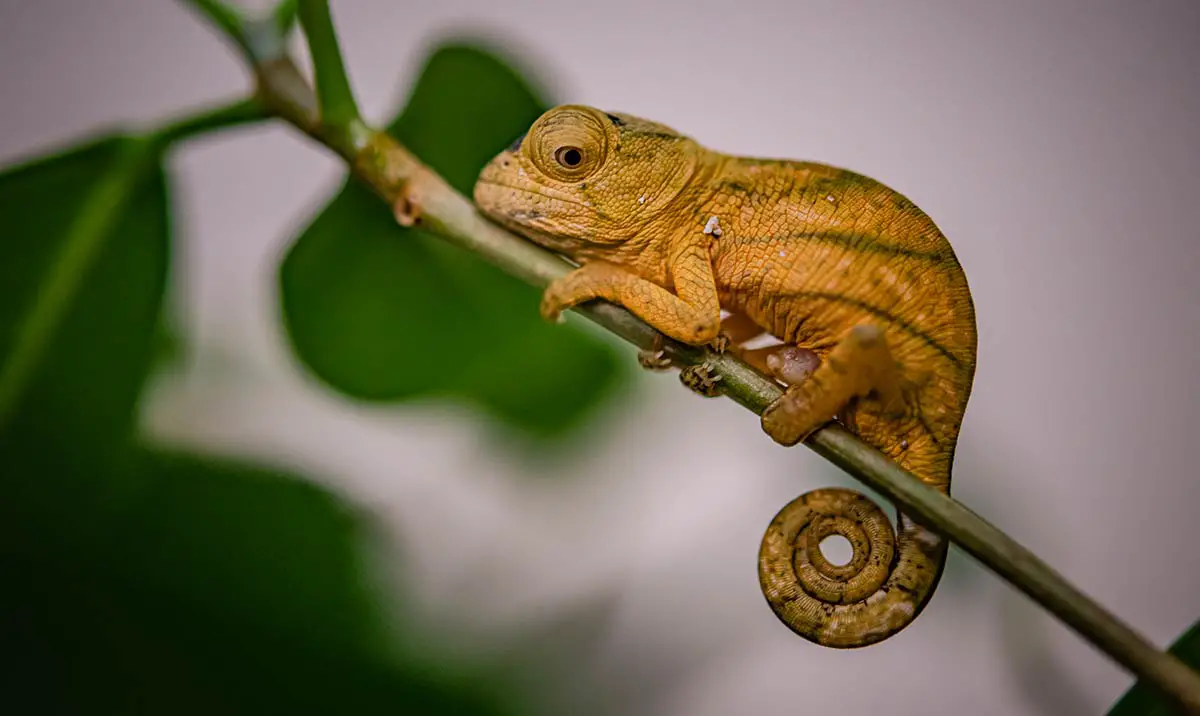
[
  {"x": 570, "y": 143},
  {"x": 569, "y": 157}
]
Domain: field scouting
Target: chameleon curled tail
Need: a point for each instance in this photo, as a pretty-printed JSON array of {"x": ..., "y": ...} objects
[{"x": 877, "y": 593}]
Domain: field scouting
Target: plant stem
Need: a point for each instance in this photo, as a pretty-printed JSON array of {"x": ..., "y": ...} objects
[
  {"x": 336, "y": 100},
  {"x": 228, "y": 19},
  {"x": 83, "y": 240},
  {"x": 233, "y": 114},
  {"x": 284, "y": 16},
  {"x": 415, "y": 191}
]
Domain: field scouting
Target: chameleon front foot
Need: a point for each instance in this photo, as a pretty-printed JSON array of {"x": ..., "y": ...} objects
[
  {"x": 734, "y": 330},
  {"x": 860, "y": 365}
]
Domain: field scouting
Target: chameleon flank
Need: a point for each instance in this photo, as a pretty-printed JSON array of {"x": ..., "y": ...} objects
[{"x": 872, "y": 312}]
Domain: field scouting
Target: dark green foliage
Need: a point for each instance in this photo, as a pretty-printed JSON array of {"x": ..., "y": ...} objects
[
  {"x": 224, "y": 589},
  {"x": 385, "y": 313},
  {"x": 143, "y": 581},
  {"x": 77, "y": 411}
]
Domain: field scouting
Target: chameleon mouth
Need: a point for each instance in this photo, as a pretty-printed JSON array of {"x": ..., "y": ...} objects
[
  {"x": 522, "y": 216},
  {"x": 485, "y": 181}
]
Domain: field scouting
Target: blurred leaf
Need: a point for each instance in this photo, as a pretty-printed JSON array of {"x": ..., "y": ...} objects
[
  {"x": 1143, "y": 699},
  {"x": 229, "y": 589},
  {"x": 385, "y": 313},
  {"x": 77, "y": 409},
  {"x": 137, "y": 581},
  {"x": 101, "y": 347}
]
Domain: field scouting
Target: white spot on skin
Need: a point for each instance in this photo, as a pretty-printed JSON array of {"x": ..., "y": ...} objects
[
  {"x": 712, "y": 227},
  {"x": 829, "y": 198},
  {"x": 642, "y": 199},
  {"x": 520, "y": 172},
  {"x": 782, "y": 254}
]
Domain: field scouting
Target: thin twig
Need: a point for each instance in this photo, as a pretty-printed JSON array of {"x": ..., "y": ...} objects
[
  {"x": 410, "y": 187},
  {"x": 334, "y": 96},
  {"x": 228, "y": 19},
  {"x": 238, "y": 112},
  {"x": 284, "y": 16}
]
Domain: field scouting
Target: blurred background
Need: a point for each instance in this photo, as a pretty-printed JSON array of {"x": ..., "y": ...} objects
[{"x": 363, "y": 474}]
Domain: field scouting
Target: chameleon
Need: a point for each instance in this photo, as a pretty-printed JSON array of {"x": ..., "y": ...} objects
[{"x": 863, "y": 301}]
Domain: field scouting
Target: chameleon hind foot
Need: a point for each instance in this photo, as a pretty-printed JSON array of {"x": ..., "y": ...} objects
[
  {"x": 654, "y": 358},
  {"x": 859, "y": 366},
  {"x": 699, "y": 379},
  {"x": 735, "y": 330}
]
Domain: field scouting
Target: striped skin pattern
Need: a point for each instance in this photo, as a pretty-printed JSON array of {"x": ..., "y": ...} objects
[{"x": 871, "y": 309}]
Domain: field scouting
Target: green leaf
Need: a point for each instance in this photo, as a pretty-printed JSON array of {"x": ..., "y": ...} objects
[
  {"x": 229, "y": 589},
  {"x": 1142, "y": 699},
  {"x": 82, "y": 270},
  {"x": 384, "y": 313},
  {"x": 138, "y": 581},
  {"x": 83, "y": 265}
]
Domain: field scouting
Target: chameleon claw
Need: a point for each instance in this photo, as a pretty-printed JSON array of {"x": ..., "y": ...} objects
[
  {"x": 653, "y": 360},
  {"x": 700, "y": 379},
  {"x": 720, "y": 344}
]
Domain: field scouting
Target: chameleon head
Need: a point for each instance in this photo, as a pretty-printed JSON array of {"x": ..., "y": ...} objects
[{"x": 583, "y": 178}]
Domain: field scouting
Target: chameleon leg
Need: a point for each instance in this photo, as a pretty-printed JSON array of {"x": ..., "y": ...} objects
[
  {"x": 860, "y": 365},
  {"x": 735, "y": 329},
  {"x": 738, "y": 328},
  {"x": 892, "y": 573},
  {"x": 691, "y": 315}
]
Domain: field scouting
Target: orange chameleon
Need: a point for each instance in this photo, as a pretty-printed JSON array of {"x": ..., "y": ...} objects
[{"x": 866, "y": 295}]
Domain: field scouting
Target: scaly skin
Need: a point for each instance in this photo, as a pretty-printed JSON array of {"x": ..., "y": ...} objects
[{"x": 867, "y": 297}]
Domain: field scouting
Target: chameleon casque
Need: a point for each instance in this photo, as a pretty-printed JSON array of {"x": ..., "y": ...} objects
[{"x": 865, "y": 295}]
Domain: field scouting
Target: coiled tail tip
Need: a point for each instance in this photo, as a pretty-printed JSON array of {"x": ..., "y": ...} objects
[{"x": 877, "y": 593}]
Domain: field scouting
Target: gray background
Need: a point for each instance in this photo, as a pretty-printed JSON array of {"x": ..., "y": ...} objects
[{"x": 1055, "y": 143}]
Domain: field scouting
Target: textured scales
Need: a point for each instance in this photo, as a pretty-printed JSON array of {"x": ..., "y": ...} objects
[{"x": 867, "y": 298}]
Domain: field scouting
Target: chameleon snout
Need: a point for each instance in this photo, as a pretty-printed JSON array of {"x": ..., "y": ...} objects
[{"x": 493, "y": 192}]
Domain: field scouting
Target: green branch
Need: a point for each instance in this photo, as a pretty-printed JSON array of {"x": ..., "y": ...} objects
[
  {"x": 258, "y": 40},
  {"x": 234, "y": 114},
  {"x": 419, "y": 195},
  {"x": 334, "y": 96},
  {"x": 284, "y": 16}
]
